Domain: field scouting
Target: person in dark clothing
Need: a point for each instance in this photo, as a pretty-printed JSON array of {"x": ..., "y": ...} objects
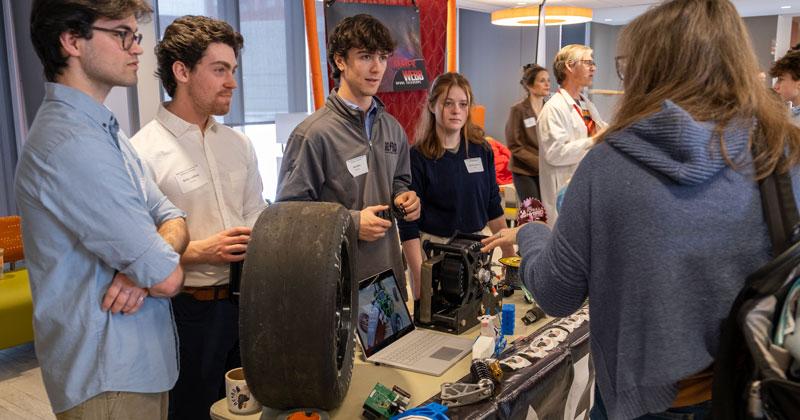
[
  {"x": 521, "y": 135},
  {"x": 452, "y": 171}
]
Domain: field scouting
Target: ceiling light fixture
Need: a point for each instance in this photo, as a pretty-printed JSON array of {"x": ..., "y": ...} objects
[
  {"x": 529, "y": 16},
  {"x": 786, "y": 7}
]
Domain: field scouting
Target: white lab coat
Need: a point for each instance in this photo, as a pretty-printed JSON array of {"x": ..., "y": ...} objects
[{"x": 563, "y": 141}]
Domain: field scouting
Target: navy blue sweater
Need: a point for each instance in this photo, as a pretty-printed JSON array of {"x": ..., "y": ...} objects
[{"x": 451, "y": 197}]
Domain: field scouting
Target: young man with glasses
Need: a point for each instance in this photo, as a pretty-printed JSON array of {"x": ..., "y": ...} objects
[
  {"x": 567, "y": 124},
  {"x": 102, "y": 243},
  {"x": 352, "y": 151},
  {"x": 210, "y": 171}
]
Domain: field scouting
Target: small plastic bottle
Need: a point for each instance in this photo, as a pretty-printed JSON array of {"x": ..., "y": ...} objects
[{"x": 507, "y": 321}]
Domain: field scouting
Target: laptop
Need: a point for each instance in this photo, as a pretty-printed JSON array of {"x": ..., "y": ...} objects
[{"x": 388, "y": 335}]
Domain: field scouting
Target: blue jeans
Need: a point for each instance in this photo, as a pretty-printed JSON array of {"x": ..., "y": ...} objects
[{"x": 700, "y": 411}]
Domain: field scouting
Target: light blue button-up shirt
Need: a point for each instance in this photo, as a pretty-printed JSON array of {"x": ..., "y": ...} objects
[
  {"x": 88, "y": 210},
  {"x": 369, "y": 115}
]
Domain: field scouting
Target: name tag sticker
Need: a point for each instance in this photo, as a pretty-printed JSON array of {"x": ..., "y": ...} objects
[
  {"x": 474, "y": 165},
  {"x": 530, "y": 122},
  {"x": 190, "y": 179},
  {"x": 358, "y": 166}
]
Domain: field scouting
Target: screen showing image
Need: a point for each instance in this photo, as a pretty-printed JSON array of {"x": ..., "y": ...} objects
[{"x": 382, "y": 315}]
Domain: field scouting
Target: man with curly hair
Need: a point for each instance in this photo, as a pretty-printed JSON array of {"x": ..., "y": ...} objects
[
  {"x": 787, "y": 70},
  {"x": 352, "y": 151},
  {"x": 210, "y": 171}
]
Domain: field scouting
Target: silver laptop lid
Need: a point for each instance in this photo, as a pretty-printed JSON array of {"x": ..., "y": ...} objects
[{"x": 383, "y": 317}]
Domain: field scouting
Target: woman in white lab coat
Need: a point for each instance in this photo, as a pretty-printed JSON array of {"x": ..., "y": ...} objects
[{"x": 567, "y": 124}]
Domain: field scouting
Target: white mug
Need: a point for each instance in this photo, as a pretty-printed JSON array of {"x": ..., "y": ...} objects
[{"x": 237, "y": 393}]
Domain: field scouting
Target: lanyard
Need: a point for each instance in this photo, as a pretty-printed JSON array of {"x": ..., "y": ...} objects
[{"x": 587, "y": 119}]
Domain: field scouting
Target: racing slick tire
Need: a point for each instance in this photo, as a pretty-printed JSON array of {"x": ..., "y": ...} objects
[{"x": 298, "y": 305}]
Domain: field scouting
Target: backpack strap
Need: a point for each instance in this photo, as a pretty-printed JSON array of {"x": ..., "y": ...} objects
[
  {"x": 733, "y": 366},
  {"x": 780, "y": 210}
]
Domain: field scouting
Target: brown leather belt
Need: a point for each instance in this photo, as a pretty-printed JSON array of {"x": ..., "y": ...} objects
[{"x": 207, "y": 293}]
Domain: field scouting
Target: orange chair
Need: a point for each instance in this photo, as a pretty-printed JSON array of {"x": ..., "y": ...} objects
[
  {"x": 16, "y": 306},
  {"x": 11, "y": 239}
]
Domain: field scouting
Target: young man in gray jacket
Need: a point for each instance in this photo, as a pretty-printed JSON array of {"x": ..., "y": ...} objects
[{"x": 352, "y": 151}]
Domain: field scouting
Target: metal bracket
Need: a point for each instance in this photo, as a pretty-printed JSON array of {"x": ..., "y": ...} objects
[{"x": 458, "y": 394}]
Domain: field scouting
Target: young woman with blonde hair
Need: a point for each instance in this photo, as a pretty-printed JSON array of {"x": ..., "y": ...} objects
[
  {"x": 452, "y": 172},
  {"x": 662, "y": 221}
]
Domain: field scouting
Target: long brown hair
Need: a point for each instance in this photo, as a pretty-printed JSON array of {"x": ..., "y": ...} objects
[
  {"x": 426, "y": 140},
  {"x": 697, "y": 53}
]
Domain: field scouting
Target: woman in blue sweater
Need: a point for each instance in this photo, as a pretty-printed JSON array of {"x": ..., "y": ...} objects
[
  {"x": 662, "y": 221},
  {"x": 452, "y": 172}
]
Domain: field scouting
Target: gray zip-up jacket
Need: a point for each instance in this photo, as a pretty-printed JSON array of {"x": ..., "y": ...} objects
[{"x": 314, "y": 168}]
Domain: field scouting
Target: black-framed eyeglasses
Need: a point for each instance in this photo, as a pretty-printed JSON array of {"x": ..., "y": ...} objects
[
  {"x": 620, "y": 62},
  {"x": 127, "y": 37}
]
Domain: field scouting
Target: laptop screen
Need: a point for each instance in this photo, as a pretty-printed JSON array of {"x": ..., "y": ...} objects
[{"x": 382, "y": 315}]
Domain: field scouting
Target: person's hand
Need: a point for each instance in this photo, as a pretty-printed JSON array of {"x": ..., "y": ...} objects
[
  {"x": 373, "y": 227},
  {"x": 220, "y": 248},
  {"x": 123, "y": 296},
  {"x": 410, "y": 203},
  {"x": 505, "y": 238}
]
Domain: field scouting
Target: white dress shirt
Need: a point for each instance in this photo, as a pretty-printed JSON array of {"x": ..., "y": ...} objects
[
  {"x": 563, "y": 142},
  {"x": 212, "y": 176}
]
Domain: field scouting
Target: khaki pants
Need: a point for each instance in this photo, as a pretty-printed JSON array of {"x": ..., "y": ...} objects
[{"x": 119, "y": 406}]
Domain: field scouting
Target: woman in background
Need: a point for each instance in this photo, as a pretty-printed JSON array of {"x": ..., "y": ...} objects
[
  {"x": 521, "y": 135},
  {"x": 452, "y": 170}
]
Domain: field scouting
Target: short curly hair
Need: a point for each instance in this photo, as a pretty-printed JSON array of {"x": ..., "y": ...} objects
[
  {"x": 360, "y": 31},
  {"x": 186, "y": 40},
  {"x": 51, "y": 18},
  {"x": 789, "y": 63}
]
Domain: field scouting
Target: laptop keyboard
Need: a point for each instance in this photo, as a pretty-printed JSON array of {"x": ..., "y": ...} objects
[{"x": 413, "y": 348}]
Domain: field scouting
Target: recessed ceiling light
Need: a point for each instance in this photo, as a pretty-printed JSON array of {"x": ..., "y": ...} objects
[
  {"x": 786, "y": 7},
  {"x": 608, "y": 20}
]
